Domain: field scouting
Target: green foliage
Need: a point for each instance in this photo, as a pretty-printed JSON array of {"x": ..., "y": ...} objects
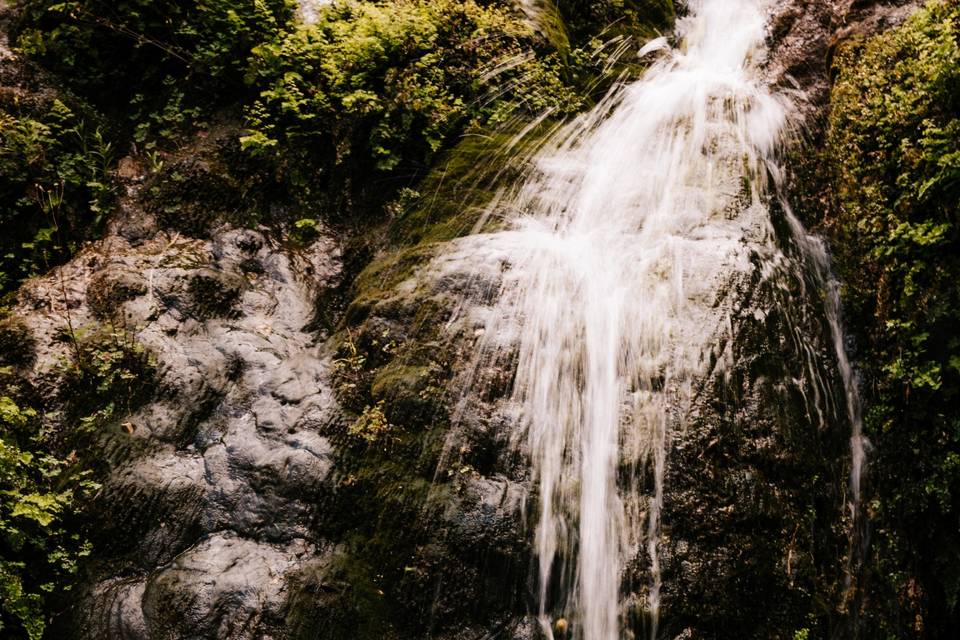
[
  {"x": 55, "y": 185},
  {"x": 46, "y": 471},
  {"x": 141, "y": 52},
  {"x": 46, "y": 475},
  {"x": 376, "y": 86},
  {"x": 39, "y": 547},
  {"x": 371, "y": 426},
  {"x": 895, "y": 140},
  {"x": 896, "y": 134},
  {"x": 339, "y": 114}
]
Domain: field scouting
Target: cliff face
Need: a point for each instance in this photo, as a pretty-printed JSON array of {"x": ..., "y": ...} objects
[
  {"x": 207, "y": 512},
  {"x": 297, "y": 462}
]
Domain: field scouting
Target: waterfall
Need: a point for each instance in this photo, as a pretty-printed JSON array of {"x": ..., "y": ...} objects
[{"x": 607, "y": 260}]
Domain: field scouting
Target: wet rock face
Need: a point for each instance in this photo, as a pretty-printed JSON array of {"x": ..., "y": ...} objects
[
  {"x": 755, "y": 532},
  {"x": 754, "y": 525},
  {"x": 428, "y": 511},
  {"x": 239, "y": 504},
  {"x": 805, "y": 33},
  {"x": 224, "y": 587},
  {"x": 206, "y": 512},
  {"x": 278, "y": 486}
]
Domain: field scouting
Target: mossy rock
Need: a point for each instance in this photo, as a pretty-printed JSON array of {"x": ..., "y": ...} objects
[
  {"x": 109, "y": 375},
  {"x": 412, "y": 394},
  {"x": 214, "y": 294},
  {"x": 606, "y": 19},
  {"x": 191, "y": 194},
  {"x": 110, "y": 288},
  {"x": 338, "y": 599},
  {"x": 375, "y": 287},
  {"x": 17, "y": 344},
  {"x": 455, "y": 196}
]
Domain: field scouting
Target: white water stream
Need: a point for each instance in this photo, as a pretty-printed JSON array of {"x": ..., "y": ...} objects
[{"x": 613, "y": 251}]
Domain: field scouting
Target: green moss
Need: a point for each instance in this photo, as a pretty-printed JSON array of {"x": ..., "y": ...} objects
[
  {"x": 391, "y": 372},
  {"x": 17, "y": 344},
  {"x": 374, "y": 288},
  {"x": 341, "y": 600},
  {"x": 107, "y": 292},
  {"x": 895, "y": 149},
  {"x": 642, "y": 19},
  {"x": 381, "y": 511},
  {"x": 459, "y": 192},
  {"x": 411, "y": 393},
  {"x": 107, "y": 377},
  {"x": 544, "y": 16}
]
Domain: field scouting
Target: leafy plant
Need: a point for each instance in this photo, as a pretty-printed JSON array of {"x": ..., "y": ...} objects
[
  {"x": 381, "y": 86},
  {"x": 113, "y": 51},
  {"x": 39, "y": 546},
  {"x": 372, "y": 425},
  {"x": 895, "y": 144},
  {"x": 107, "y": 377},
  {"x": 55, "y": 185}
]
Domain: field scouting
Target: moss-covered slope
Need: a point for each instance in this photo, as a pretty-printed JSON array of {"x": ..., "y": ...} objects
[{"x": 894, "y": 149}]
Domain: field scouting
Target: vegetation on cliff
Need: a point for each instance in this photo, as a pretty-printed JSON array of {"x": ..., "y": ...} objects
[
  {"x": 895, "y": 145},
  {"x": 55, "y": 182},
  {"x": 345, "y": 119},
  {"x": 39, "y": 542},
  {"x": 329, "y": 119},
  {"x": 244, "y": 112},
  {"x": 149, "y": 64},
  {"x": 47, "y": 477}
]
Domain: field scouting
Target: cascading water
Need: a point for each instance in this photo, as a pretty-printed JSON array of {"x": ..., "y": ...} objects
[
  {"x": 815, "y": 252},
  {"x": 608, "y": 265}
]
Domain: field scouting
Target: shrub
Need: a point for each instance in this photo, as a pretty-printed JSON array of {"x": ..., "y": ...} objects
[
  {"x": 381, "y": 87},
  {"x": 142, "y": 53},
  {"x": 131, "y": 44},
  {"x": 47, "y": 475},
  {"x": 340, "y": 113}
]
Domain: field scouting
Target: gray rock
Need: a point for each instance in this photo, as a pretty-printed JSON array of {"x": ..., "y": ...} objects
[{"x": 213, "y": 483}]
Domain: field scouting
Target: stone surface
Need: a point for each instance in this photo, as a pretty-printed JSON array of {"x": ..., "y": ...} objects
[
  {"x": 238, "y": 504},
  {"x": 213, "y": 484}
]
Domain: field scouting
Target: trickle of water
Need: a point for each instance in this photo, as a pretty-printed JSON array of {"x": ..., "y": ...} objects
[
  {"x": 815, "y": 250},
  {"x": 614, "y": 248}
]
